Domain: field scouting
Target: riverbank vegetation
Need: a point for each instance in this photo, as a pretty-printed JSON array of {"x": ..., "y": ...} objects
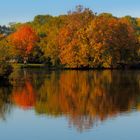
[
  {"x": 5, "y": 67},
  {"x": 79, "y": 39}
]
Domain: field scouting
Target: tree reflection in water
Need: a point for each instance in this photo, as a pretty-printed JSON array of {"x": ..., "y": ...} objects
[
  {"x": 88, "y": 97},
  {"x": 5, "y": 102},
  {"x": 25, "y": 96},
  {"x": 84, "y": 97}
]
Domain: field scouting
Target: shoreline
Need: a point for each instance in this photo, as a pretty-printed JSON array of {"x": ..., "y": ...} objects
[{"x": 123, "y": 67}]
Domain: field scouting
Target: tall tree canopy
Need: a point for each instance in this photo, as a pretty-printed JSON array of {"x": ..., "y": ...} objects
[
  {"x": 23, "y": 40},
  {"x": 79, "y": 39}
]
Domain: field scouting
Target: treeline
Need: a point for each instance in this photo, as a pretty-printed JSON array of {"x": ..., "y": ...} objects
[{"x": 80, "y": 39}]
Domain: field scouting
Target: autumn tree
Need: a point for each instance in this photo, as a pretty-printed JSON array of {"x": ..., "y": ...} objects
[
  {"x": 23, "y": 40},
  {"x": 101, "y": 42},
  {"x": 5, "y": 54},
  {"x": 4, "y": 45},
  {"x": 71, "y": 50},
  {"x": 79, "y": 39},
  {"x": 113, "y": 41}
]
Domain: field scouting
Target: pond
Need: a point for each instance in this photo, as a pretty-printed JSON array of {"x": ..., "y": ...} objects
[{"x": 70, "y": 105}]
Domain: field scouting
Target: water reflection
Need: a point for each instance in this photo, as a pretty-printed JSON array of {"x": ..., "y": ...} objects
[
  {"x": 5, "y": 102},
  {"x": 84, "y": 97},
  {"x": 24, "y": 97}
]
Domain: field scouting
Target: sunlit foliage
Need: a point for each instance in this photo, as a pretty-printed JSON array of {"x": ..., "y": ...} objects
[
  {"x": 79, "y": 39},
  {"x": 23, "y": 40}
]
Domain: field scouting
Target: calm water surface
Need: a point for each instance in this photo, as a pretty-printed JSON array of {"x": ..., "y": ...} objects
[{"x": 70, "y": 105}]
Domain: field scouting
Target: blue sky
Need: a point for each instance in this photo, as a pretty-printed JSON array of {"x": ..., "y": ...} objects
[{"x": 25, "y": 10}]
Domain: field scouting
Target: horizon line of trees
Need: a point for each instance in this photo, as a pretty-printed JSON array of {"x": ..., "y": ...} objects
[{"x": 80, "y": 39}]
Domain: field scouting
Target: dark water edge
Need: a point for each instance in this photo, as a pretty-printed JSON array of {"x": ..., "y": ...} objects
[
  {"x": 121, "y": 66},
  {"x": 4, "y": 82}
]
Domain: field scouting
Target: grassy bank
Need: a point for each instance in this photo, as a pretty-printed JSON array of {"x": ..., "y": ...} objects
[{"x": 28, "y": 65}]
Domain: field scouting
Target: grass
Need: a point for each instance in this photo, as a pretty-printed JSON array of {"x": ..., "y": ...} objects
[{"x": 28, "y": 65}]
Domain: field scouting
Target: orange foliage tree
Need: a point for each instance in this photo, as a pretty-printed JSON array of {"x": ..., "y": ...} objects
[
  {"x": 71, "y": 49},
  {"x": 103, "y": 41},
  {"x": 112, "y": 41},
  {"x": 23, "y": 40}
]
